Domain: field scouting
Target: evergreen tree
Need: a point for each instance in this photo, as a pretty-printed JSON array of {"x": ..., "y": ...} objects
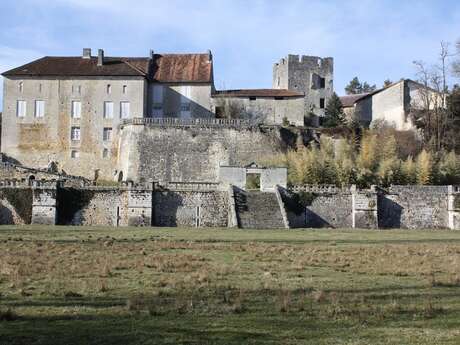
[
  {"x": 355, "y": 86},
  {"x": 334, "y": 115}
]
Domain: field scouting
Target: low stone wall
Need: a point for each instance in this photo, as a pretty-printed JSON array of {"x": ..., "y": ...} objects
[
  {"x": 191, "y": 208},
  {"x": 413, "y": 207},
  {"x": 208, "y": 205}
]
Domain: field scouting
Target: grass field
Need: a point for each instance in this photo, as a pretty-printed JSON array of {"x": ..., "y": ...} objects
[{"x": 80, "y": 285}]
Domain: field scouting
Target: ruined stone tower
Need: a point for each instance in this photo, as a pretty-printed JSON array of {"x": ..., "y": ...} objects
[{"x": 311, "y": 75}]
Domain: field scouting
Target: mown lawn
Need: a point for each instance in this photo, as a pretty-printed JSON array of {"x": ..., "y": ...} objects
[{"x": 77, "y": 285}]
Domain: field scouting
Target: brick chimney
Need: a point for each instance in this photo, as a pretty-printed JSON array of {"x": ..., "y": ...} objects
[
  {"x": 86, "y": 53},
  {"x": 100, "y": 57}
]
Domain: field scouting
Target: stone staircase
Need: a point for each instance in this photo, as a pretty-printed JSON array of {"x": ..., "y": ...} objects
[{"x": 258, "y": 210}]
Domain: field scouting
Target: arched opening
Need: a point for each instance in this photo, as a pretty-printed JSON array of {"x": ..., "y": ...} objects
[{"x": 31, "y": 179}]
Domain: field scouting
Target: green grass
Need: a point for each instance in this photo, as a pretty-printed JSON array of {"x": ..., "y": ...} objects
[{"x": 80, "y": 285}]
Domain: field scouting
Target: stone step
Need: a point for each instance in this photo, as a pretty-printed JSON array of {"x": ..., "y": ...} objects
[{"x": 258, "y": 210}]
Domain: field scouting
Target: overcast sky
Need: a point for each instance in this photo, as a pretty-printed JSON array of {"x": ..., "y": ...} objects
[{"x": 373, "y": 40}]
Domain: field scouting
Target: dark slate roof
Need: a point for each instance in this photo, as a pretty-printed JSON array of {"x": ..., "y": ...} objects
[
  {"x": 350, "y": 100},
  {"x": 165, "y": 68},
  {"x": 258, "y": 93}
]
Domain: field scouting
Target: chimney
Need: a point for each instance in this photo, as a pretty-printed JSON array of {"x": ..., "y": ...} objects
[
  {"x": 86, "y": 53},
  {"x": 152, "y": 54},
  {"x": 100, "y": 57},
  {"x": 209, "y": 55}
]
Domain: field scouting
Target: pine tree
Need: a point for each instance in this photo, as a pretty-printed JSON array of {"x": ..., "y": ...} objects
[
  {"x": 355, "y": 86},
  {"x": 334, "y": 115}
]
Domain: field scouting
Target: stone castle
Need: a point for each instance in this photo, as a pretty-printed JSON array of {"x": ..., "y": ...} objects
[{"x": 181, "y": 150}]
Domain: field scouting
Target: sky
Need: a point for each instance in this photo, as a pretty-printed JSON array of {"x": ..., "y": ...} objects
[{"x": 374, "y": 40}]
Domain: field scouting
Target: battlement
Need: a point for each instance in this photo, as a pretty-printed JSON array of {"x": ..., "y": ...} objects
[{"x": 307, "y": 61}]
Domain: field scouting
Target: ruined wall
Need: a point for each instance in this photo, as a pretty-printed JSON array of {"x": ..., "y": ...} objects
[
  {"x": 15, "y": 205},
  {"x": 194, "y": 153},
  {"x": 36, "y": 141},
  {"x": 186, "y": 208},
  {"x": 270, "y": 111},
  {"x": 413, "y": 207},
  {"x": 300, "y": 73}
]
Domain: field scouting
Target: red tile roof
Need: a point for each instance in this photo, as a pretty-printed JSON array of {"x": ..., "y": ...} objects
[
  {"x": 172, "y": 68},
  {"x": 258, "y": 93},
  {"x": 182, "y": 67}
]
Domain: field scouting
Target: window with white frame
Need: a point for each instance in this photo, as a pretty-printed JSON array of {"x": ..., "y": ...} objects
[
  {"x": 107, "y": 134},
  {"x": 75, "y": 133},
  {"x": 39, "y": 108},
  {"x": 76, "y": 109},
  {"x": 74, "y": 154},
  {"x": 21, "y": 107},
  {"x": 108, "y": 110},
  {"x": 124, "y": 110}
]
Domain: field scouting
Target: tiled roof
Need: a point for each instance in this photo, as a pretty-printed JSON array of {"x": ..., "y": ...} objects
[
  {"x": 182, "y": 67},
  {"x": 258, "y": 93},
  {"x": 350, "y": 100},
  {"x": 165, "y": 68}
]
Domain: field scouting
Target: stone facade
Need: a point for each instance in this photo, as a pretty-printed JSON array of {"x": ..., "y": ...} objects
[
  {"x": 414, "y": 207},
  {"x": 393, "y": 104},
  {"x": 217, "y": 205},
  {"x": 270, "y": 110},
  {"x": 310, "y": 75},
  {"x": 194, "y": 153}
]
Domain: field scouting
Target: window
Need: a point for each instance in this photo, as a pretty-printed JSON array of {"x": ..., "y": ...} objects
[
  {"x": 252, "y": 98},
  {"x": 108, "y": 110},
  {"x": 279, "y": 98},
  {"x": 321, "y": 103},
  {"x": 75, "y": 133},
  {"x": 107, "y": 134},
  {"x": 39, "y": 108},
  {"x": 185, "y": 92},
  {"x": 322, "y": 83},
  {"x": 21, "y": 108},
  {"x": 76, "y": 109},
  {"x": 105, "y": 153},
  {"x": 158, "y": 100},
  {"x": 124, "y": 110},
  {"x": 74, "y": 154},
  {"x": 21, "y": 86},
  {"x": 109, "y": 89},
  {"x": 125, "y": 89}
]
